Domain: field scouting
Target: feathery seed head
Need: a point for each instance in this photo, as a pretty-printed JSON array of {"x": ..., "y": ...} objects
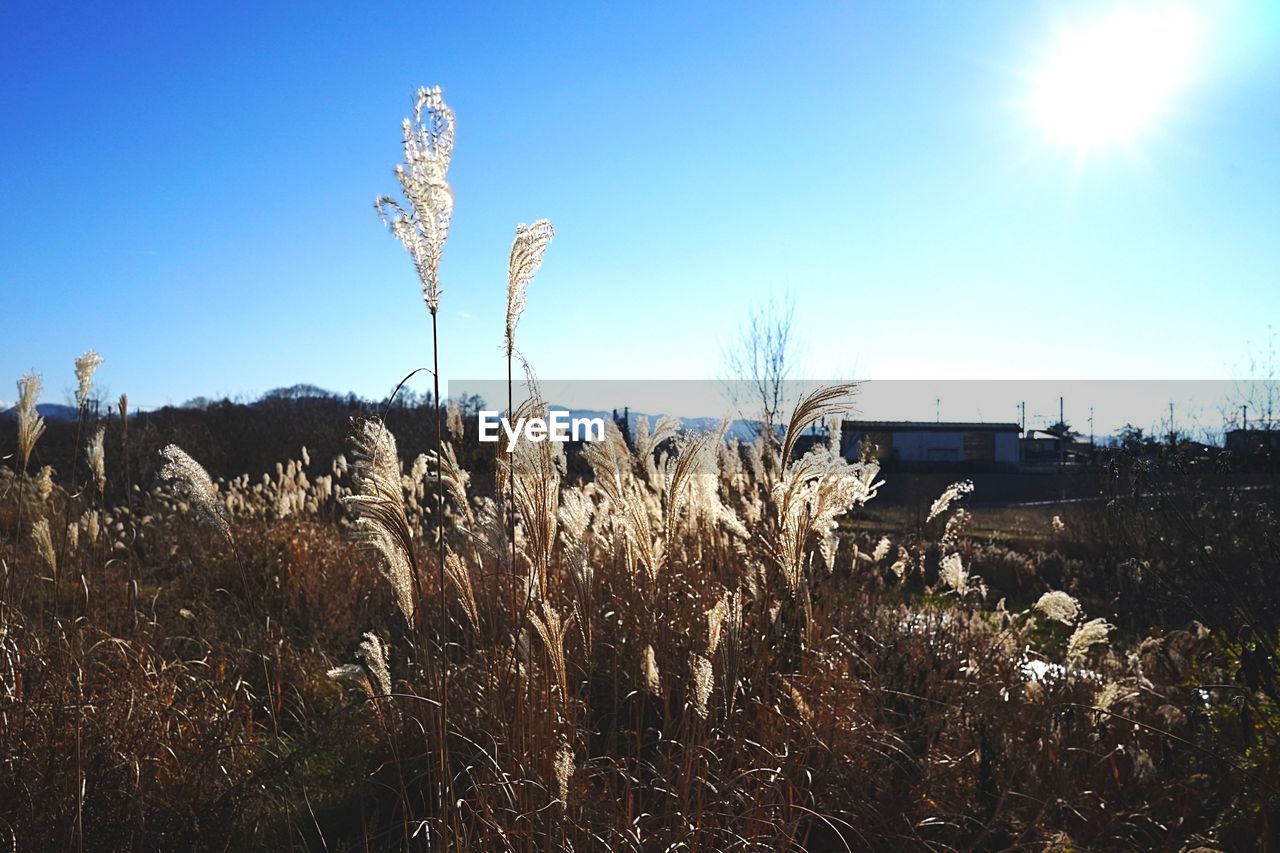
[
  {"x": 526, "y": 256},
  {"x": 30, "y": 422},
  {"x": 350, "y": 673},
  {"x": 191, "y": 483},
  {"x": 96, "y": 453},
  {"x": 652, "y": 678},
  {"x": 953, "y": 573},
  {"x": 702, "y": 678},
  {"x": 1059, "y": 606},
  {"x": 86, "y": 364},
  {"x": 715, "y": 622},
  {"x": 373, "y": 654},
  {"x": 44, "y": 484},
  {"x": 382, "y": 523},
  {"x": 44, "y": 543},
  {"x": 564, "y": 772},
  {"x": 1091, "y": 633},
  {"x": 950, "y": 494},
  {"x": 453, "y": 420},
  {"x": 423, "y": 229}
]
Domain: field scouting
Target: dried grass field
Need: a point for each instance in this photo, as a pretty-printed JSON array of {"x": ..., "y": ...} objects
[{"x": 663, "y": 641}]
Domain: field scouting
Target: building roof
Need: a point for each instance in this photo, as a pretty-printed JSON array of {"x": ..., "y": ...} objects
[{"x": 928, "y": 426}]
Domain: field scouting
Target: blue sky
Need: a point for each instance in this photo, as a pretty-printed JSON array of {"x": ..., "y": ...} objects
[{"x": 188, "y": 189}]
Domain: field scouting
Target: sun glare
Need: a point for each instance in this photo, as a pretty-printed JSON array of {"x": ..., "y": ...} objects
[{"x": 1110, "y": 81}]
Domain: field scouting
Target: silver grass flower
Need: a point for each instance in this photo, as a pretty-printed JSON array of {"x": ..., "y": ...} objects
[
  {"x": 44, "y": 483},
  {"x": 652, "y": 678},
  {"x": 827, "y": 402},
  {"x": 456, "y": 480},
  {"x": 459, "y": 574},
  {"x": 949, "y": 495},
  {"x": 44, "y": 543},
  {"x": 453, "y": 420},
  {"x": 350, "y": 673},
  {"x": 374, "y": 675},
  {"x": 715, "y": 622},
  {"x": 828, "y": 546},
  {"x": 378, "y": 506},
  {"x": 526, "y": 256},
  {"x": 564, "y": 772},
  {"x": 551, "y": 629},
  {"x": 901, "y": 564},
  {"x": 812, "y": 493},
  {"x": 86, "y": 364},
  {"x": 953, "y": 573},
  {"x": 191, "y": 483},
  {"x": 702, "y": 677},
  {"x": 1059, "y": 606},
  {"x": 423, "y": 229},
  {"x": 882, "y": 549},
  {"x": 798, "y": 700},
  {"x": 576, "y": 510},
  {"x": 374, "y": 655},
  {"x": 30, "y": 422},
  {"x": 96, "y": 454},
  {"x": 1091, "y": 633},
  {"x": 1111, "y": 694}
]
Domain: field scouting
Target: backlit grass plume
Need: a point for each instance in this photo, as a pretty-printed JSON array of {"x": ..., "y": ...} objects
[
  {"x": 526, "y": 256},
  {"x": 191, "y": 483},
  {"x": 44, "y": 543},
  {"x": 1091, "y": 633},
  {"x": 423, "y": 177},
  {"x": 95, "y": 452},
  {"x": 374, "y": 677},
  {"x": 86, "y": 364},
  {"x": 378, "y": 505},
  {"x": 30, "y": 422},
  {"x": 1059, "y": 606}
]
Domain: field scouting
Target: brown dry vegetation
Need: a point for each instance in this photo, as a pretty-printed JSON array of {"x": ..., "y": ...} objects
[
  {"x": 169, "y": 688},
  {"x": 662, "y": 644}
]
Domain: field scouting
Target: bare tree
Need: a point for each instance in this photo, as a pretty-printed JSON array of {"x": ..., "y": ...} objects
[
  {"x": 1255, "y": 401},
  {"x": 759, "y": 361}
]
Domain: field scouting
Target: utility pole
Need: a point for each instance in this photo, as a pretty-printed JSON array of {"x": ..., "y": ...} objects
[
  {"x": 937, "y": 409},
  {"x": 1091, "y": 427},
  {"x": 1171, "y": 432},
  {"x": 1062, "y": 438},
  {"x": 1022, "y": 422}
]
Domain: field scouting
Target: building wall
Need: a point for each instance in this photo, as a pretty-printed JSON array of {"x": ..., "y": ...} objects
[
  {"x": 929, "y": 446},
  {"x": 1007, "y": 448},
  {"x": 950, "y": 446}
]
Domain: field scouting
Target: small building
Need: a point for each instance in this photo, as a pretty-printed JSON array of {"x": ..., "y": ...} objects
[
  {"x": 924, "y": 444},
  {"x": 1041, "y": 447},
  {"x": 1253, "y": 442}
]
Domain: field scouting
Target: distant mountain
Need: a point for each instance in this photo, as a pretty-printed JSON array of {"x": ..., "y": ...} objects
[{"x": 51, "y": 411}]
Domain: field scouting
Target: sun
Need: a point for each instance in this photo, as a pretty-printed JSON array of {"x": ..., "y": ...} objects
[{"x": 1110, "y": 81}]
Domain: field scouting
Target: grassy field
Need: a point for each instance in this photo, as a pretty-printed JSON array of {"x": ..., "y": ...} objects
[{"x": 675, "y": 642}]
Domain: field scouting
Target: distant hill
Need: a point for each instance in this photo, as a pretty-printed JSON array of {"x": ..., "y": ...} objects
[
  {"x": 740, "y": 429},
  {"x": 51, "y": 411}
]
